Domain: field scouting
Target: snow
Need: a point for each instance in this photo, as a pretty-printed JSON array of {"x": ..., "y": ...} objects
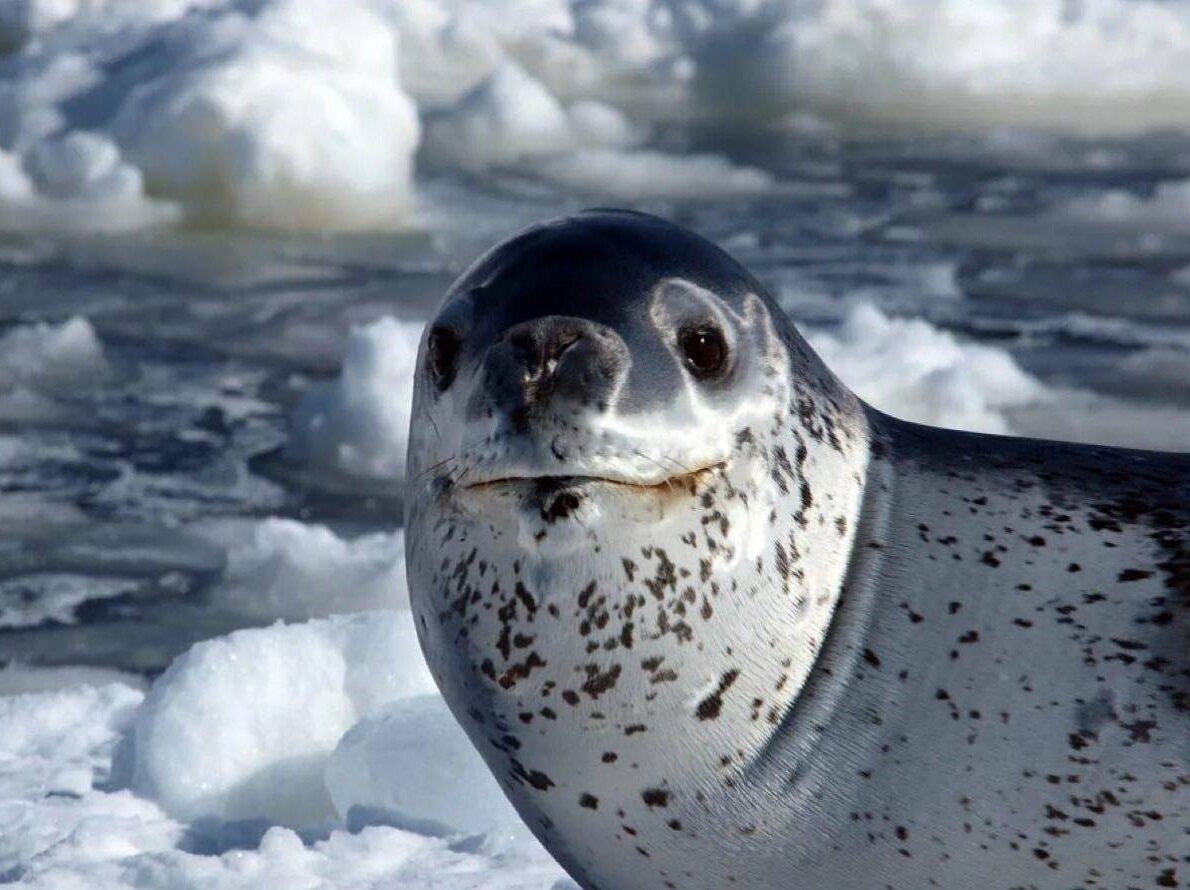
[
  {"x": 295, "y": 114},
  {"x": 510, "y": 117},
  {"x": 284, "y": 569},
  {"x": 1166, "y": 210},
  {"x": 240, "y": 727},
  {"x": 308, "y": 754},
  {"x": 44, "y": 365},
  {"x": 358, "y": 424},
  {"x": 909, "y": 368},
  {"x": 286, "y": 114},
  {"x": 512, "y": 121},
  {"x": 51, "y": 357},
  {"x": 64, "y": 823}
]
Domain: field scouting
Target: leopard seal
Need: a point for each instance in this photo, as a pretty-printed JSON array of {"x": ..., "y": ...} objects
[{"x": 714, "y": 622}]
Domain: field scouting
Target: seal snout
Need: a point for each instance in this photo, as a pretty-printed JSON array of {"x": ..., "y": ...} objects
[{"x": 552, "y": 366}]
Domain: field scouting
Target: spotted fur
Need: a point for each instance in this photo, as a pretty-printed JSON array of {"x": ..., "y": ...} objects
[{"x": 809, "y": 646}]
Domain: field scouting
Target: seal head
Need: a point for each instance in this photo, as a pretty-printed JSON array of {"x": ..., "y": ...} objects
[{"x": 621, "y": 457}]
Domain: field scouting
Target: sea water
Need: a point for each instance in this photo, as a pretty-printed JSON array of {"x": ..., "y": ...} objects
[{"x": 225, "y": 223}]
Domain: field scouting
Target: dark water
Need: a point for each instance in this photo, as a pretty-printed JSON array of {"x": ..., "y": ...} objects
[{"x": 211, "y": 337}]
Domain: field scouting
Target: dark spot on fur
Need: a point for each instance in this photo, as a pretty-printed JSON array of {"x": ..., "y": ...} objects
[{"x": 709, "y": 707}]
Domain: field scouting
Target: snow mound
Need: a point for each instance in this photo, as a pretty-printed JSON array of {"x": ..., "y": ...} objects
[
  {"x": 358, "y": 425},
  {"x": 282, "y": 114},
  {"x": 913, "y": 370},
  {"x": 510, "y": 117},
  {"x": 240, "y": 727},
  {"x": 293, "y": 118}
]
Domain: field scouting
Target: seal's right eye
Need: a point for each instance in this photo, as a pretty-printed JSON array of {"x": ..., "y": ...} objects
[{"x": 442, "y": 356}]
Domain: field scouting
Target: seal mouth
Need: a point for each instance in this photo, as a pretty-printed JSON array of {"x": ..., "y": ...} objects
[
  {"x": 549, "y": 500},
  {"x": 548, "y": 484}
]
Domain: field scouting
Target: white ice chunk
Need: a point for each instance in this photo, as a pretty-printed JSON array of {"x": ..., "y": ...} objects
[
  {"x": 1166, "y": 210},
  {"x": 359, "y": 424},
  {"x": 410, "y": 764},
  {"x": 508, "y": 118},
  {"x": 240, "y": 727},
  {"x": 280, "y": 568},
  {"x": 51, "y": 357},
  {"x": 292, "y": 118},
  {"x": 1097, "y": 66},
  {"x": 913, "y": 370}
]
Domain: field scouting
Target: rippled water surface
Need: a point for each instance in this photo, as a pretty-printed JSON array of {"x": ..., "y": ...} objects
[{"x": 1066, "y": 255}]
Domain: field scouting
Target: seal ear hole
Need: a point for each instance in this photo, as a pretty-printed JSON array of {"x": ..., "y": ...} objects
[
  {"x": 704, "y": 349},
  {"x": 442, "y": 356}
]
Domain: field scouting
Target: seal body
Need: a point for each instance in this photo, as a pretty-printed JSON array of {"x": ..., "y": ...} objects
[{"x": 713, "y": 622}]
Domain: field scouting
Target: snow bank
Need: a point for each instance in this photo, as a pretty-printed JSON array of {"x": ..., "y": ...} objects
[
  {"x": 1098, "y": 66},
  {"x": 55, "y": 748},
  {"x": 282, "y": 114},
  {"x": 77, "y": 183},
  {"x": 240, "y": 727},
  {"x": 118, "y": 115},
  {"x": 293, "y": 117},
  {"x": 283, "y": 569},
  {"x": 510, "y": 117},
  {"x": 911, "y": 369},
  {"x": 358, "y": 425},
  {"x": 61, "y": 737}
]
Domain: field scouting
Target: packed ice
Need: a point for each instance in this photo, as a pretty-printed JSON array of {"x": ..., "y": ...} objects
[{"x": 284, "y": 114}]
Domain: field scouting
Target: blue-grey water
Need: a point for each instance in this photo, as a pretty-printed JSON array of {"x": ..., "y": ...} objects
[{"x": 211, "y": 335}]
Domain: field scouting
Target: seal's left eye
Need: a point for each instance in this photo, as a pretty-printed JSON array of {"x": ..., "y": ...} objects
[
  {"x": 442, "y": 356},
  {"x": 704, "y": 349}
]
